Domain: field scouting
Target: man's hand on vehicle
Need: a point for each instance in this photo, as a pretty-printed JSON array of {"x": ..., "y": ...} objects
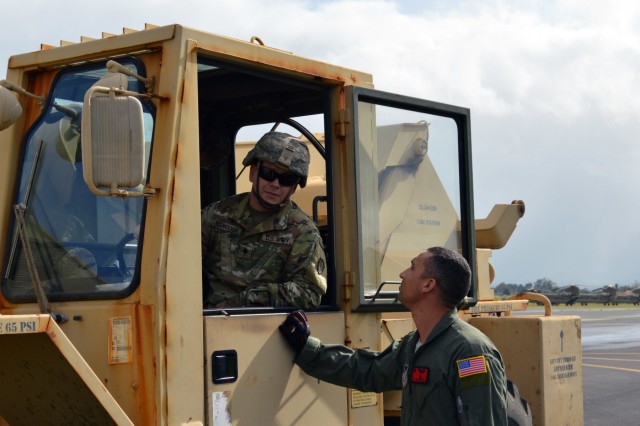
[{"x": 296, "y": 330}]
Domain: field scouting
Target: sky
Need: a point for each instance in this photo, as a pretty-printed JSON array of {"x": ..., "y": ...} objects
[{"x": 552, "y": 87}]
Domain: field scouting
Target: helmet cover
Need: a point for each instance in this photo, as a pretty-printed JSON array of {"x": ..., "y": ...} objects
[{"x": 285, "y": 151}]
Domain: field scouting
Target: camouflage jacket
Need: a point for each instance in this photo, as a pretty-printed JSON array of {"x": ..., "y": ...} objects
[{"x": 277, "y": 262}]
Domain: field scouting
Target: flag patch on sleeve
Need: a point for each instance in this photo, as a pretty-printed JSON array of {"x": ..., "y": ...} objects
[{"x": 471, "y": 366}]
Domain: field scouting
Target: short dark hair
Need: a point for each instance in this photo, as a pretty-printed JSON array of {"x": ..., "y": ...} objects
[{"x": 452, "y": 274}]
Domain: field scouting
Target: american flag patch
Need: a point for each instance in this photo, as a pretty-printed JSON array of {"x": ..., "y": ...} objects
[{"x": 470, "y": 366}]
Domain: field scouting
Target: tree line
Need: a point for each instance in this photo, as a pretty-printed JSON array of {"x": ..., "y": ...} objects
[{"x": 541, "y": 285}]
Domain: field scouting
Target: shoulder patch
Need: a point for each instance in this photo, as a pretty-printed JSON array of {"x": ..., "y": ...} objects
[{"x": 471, "y": 366}]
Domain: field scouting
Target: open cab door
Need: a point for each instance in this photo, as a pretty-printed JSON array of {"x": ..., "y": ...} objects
[{"x": 413, "y": 187}]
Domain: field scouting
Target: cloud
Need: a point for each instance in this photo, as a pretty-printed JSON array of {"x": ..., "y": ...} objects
[{"x": 552, "y": 87}]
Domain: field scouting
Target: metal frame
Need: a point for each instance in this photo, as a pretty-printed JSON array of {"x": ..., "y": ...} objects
[{"x": 462, "y": 117}]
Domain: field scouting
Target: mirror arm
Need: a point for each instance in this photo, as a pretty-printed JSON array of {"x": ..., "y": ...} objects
[
  {"x": 122, "y": 193},
  {"x": 113, "y": 66},
  {"x": 121, "y": 92},
  {"x": 15, "y": 88}
]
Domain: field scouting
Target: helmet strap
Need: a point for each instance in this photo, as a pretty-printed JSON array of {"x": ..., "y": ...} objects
[{"x": 264, "y": 203}]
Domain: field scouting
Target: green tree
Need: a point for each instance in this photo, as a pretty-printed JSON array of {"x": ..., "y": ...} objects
[{"x": 544, "y": 284}]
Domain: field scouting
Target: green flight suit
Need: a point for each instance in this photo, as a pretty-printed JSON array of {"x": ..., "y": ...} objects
[
  {"x": 279, "y": 261},
  {"x": 456, "y": 377}
]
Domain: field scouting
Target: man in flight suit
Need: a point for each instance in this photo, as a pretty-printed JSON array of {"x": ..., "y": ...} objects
[
  {"x": 449, "y": 372},
  {"x": 259, "y": 248}
]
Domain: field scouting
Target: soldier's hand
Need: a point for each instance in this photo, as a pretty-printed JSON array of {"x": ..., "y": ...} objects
[{"x": 296, "y": 330}]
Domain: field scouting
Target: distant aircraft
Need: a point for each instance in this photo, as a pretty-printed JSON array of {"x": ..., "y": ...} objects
[
  {"x": 630, "y": 296},
  {"x": 567, "y": 295},
  {"x": 605, "y": 295}
]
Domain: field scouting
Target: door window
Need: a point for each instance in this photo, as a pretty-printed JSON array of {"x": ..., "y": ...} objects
[{"x": 413, "y": 172}]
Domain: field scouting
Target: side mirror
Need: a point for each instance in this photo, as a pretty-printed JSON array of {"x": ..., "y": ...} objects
[
  {"x": 113, "y": 146},
  {"x": 10, "y": 109}
]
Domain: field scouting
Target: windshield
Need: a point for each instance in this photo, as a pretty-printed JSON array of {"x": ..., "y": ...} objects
[{"x": 83, "y": 246}]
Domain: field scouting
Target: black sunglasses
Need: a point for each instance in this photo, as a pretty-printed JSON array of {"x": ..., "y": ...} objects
[{"x": 285, "y": 179}]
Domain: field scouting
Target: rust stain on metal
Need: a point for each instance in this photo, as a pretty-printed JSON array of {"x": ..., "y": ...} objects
[
  {"x": 342, "y": 99},
  {"x": 145, "y": 365},
  {"x": 178, "y": 155},
  {"x": 5, "y": 308},
  {"x": 172, "y": 187},
  {"x": 51, "y": 332},
  {"x": 290, "y": 63},
  {"x": 183, "y": 92}
]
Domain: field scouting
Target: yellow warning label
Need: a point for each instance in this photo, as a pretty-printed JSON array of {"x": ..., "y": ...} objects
[{"x": 363, "y": 399}]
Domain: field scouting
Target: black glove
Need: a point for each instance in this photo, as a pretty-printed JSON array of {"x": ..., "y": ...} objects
[{"x": 296, "y": 330}]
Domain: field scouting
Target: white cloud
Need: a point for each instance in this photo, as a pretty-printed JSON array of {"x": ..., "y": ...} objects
[{"x": 552, "y": 86}]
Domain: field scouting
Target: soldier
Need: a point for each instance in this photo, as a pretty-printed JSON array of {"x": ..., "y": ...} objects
[
  {"x": 259, "y": 248},
  {"x": 449, "y": 372}
]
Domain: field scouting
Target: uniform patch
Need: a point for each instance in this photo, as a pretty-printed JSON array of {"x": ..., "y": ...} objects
[
  {"x": 420, "y": 375},
  {"x": 405, "y": 374},
  {"x": 278, "y": 239},
  {"x": 471, "y": 366},
  {"x": 225, "y": 226},
  {"x": 245, "y": 252},
  {"x": 320, "y": 266}
]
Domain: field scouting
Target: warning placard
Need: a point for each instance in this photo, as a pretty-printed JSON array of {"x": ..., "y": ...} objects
[{"x": 120, "y": 340}]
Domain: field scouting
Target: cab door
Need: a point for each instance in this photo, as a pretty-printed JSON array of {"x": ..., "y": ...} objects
[
  {"x": 251, "y": 378},
  {"x": 412, "y": 188}
]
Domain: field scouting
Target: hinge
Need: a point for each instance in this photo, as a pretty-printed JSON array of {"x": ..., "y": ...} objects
[
  {"x": 347, "y": 288},
  {"x": 341, "y": 125}
]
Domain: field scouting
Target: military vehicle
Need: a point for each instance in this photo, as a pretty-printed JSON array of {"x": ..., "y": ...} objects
[{"x": 117, "y": 143}]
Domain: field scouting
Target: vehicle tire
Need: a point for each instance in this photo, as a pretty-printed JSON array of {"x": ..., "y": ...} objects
[{"x": 518, "y": 410}]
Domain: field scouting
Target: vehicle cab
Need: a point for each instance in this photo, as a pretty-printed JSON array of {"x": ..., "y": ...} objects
[{"x": 121, "y": 143}]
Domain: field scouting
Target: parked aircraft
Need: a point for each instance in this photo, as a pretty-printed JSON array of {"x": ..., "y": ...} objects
[
  {"x": 604, "y": 295},
  {"x": 629, "y": 296},
  {"x": 567, "y": 295}
]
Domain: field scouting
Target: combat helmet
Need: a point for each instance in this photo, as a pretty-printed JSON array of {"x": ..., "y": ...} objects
[{"x": 284, "y": 150}]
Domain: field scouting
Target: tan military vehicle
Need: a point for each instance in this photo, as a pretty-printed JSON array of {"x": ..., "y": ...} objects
[{"x": 110, "y": 149}]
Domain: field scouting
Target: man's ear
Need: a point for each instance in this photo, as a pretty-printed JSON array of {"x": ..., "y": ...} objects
[
  {"x": 429, "y": 285},
  {"x": 253, "y": 172}
]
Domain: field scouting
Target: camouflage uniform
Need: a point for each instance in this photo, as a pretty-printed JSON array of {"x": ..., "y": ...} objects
[{"x": 279, "y": 261}]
